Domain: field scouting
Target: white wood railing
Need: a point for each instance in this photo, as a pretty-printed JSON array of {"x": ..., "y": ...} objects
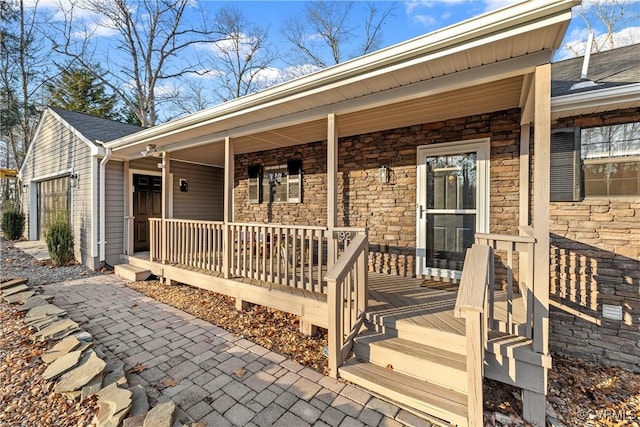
[
  {"x": 347, "y": 299},
  {"x": 471, "y": 304},
  {"x": 283, "y": 254},
  {"x": 287, "y": 255},
  {"x": 188, "y": 242},
  {"x": 513, "y": 254}
]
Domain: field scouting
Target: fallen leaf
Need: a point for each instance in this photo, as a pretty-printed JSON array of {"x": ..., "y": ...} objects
[
  {"x": 138, "y": 368},
  {"x": 169, "y": 382},
  {"x": 389, "y": 367},
  {"x": 240, "y": 373}
]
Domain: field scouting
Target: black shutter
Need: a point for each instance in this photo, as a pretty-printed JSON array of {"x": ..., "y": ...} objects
[
  {"x": 565, "y": 165},
  {"x": 254, "y": 190}
]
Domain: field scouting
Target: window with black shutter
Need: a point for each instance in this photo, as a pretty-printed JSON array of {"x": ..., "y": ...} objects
[
  {"x": 254, "y": 188},
  {"x": 565, "y": 165}
]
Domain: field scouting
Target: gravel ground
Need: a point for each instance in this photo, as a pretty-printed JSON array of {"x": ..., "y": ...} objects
[{"x": 15, "y": 263}]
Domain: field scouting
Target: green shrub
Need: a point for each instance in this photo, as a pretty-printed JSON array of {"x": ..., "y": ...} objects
[
  {"x": 13, "y": 223},
  {"x": 59, "y": 238}
]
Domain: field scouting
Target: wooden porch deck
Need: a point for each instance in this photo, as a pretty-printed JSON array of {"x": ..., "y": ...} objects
[{"x": 415, "y": 302}]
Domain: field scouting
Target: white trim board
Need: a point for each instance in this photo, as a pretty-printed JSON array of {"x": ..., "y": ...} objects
[{"x": 483, "y": 149}]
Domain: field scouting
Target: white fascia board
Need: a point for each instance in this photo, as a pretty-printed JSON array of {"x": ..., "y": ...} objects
[
  {"x": 596, "y": 98},
  {"x": 513, "y": 19}
]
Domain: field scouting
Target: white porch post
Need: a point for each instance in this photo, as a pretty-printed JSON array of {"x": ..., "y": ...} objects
[
  {"x": 228, "y": 205},
  {"x": 332, "y": 189},
  {"x": 166, "y": 189},
  {"x": 534, "y": 403}
]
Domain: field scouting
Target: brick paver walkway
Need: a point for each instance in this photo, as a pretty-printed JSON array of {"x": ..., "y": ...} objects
[{"x": 172, "y": 344}]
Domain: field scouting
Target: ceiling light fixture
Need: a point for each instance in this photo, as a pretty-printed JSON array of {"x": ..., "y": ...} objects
[{"x": 150, "y": 151}]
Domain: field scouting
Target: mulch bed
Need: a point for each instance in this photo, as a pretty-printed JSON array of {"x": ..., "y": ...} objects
[{"x": 270, "y": 328}]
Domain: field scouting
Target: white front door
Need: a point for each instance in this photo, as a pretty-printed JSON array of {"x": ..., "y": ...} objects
[{"x": 452, "y": 204}]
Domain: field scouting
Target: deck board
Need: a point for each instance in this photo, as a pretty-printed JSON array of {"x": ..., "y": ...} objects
[{"x": 414, "y": 301}]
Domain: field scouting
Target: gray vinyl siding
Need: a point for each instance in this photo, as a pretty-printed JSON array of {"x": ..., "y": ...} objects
[
  {"x": 56, "y": 150},
  {"x": 148, "y": 164},
  {"x": 114, "y": 212},
  {"x": 205, "y": 197}
]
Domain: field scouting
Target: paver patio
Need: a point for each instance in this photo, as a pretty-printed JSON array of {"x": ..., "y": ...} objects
[{"x": 172, "y": 344}]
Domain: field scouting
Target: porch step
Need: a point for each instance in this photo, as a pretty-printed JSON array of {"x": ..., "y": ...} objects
[
  {"x": 429, "y": 363},
  {"x": 456, "y": 343},
  {"x": 426, "y": 397},
  {"x": 131, "y": 272}
]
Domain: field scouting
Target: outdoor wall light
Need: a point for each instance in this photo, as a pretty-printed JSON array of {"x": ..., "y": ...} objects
[
  {"x": 384, "y": 174},
  {"x": 73, "y": 180}
]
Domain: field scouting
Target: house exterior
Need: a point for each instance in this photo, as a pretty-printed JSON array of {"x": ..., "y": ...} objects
[
  {"x": 369, "y": 198},
  {"x": 67, "y": 168},
  {"x": 62, "y": 171},
  {"x": 595, "y": 208}
]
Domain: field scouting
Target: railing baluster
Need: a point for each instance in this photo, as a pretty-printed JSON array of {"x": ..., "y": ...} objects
[{"x": 510, "y": 325}]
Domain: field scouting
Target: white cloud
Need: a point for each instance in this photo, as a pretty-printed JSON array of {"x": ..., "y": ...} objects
[
  {"x": 425, "y": 20},
  {"x": 240, "y": 41},
  {"x": 576, "y": 41},
  {"x": 498, "y": 4}
]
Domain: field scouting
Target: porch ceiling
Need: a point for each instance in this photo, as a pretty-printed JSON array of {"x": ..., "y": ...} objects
[{"x": 494, "y": 96}]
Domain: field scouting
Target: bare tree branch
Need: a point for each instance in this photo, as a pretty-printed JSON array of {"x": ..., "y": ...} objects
[
  {"x": 321, "y": 35},
  {"x": 151, "y": 36}
]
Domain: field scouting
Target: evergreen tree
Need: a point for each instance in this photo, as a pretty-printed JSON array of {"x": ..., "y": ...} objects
[{"x": 78, "y": 89}]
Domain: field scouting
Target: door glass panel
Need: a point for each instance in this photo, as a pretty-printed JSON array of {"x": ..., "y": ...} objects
[
  {"x": 451, "y": 209},
  {"x": 448, "y": 236}
]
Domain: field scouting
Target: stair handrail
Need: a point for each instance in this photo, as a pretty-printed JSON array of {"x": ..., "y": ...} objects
[
  {"x": 477, "y": 274},
  {"x": 347, "y": 283}
]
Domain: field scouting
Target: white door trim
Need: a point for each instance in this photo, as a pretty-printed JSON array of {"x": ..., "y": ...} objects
[{"x": 482, "y": 148}]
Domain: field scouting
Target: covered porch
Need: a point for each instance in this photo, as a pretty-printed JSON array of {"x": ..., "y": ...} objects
[{"x": 377, "y": 153}]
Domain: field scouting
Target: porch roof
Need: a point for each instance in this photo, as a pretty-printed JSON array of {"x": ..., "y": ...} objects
[{"x": 472, "y": 67}]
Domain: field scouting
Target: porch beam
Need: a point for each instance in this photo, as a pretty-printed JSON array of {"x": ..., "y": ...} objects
[
  {"x": 534, "y": 403},
  {"x": 166, "y": 199},
  {"x": 525, "y": 134},
  {"x": 128, "y": 218},
  {"x": 541, "y": 178},
  {"x": 228, "y": 207},
  {"x": 332, "y": 189}
]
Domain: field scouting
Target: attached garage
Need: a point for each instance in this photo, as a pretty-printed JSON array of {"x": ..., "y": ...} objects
[{"x": 54, "y": 199}]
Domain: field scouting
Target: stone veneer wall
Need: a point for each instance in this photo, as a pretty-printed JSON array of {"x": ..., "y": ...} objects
[
  {"x": 595, "y": 260},
  {"x": 387, "y": 210}
]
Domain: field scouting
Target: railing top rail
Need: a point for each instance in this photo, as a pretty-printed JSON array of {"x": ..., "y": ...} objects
[
  {"x": 270, "y": 224},
  {"x": 506, "y": 238},
  {"x": 193, "y": 221},
  {"x": 475, "y": 269},
  {"x": 354, "y": 229},
  {"x": 348, "y": 257}
]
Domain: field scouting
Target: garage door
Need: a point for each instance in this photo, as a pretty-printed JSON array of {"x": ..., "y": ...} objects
[{"x": 53, "y": 200}]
